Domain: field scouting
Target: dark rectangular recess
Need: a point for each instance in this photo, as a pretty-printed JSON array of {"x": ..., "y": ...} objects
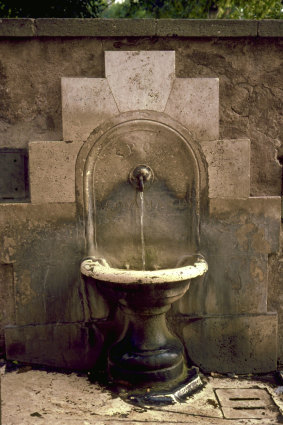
[{"x": 14, "y": 181}]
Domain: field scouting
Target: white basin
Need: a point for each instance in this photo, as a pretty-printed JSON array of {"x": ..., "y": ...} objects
[{"x": 99, "y": 269}]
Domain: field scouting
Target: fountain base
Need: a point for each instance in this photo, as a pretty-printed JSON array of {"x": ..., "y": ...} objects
[
  {"x": 172, "y": 393},
  {"x": 147, "y": 352}
]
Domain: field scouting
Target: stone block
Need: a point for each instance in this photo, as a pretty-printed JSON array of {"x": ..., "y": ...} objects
[
  {"x": 49, "y": 291},
  {"x": 64, "y": 345},
  {"x": 228, "y": 168},
  {"x": 54, "y": 27},
  {"x": 69, "y": 27},
  {"x": 234, "y": 284},
  {"x": 7, "y": 301},
  {"x": 86, "y": 103},
  {"x": 205, "y": 28},
  {"x": 249, "y": 226},
  {"x": 17, "y": 220},
  {"x": 233, "y": 344},
  {"x": 236, "y": 241},
  {"x": 140, "y": 79},
  {"x": 46, "y": 246},
  {"x": 270, "y": 28},
  {"x": 275, "y": 293},
  {"x": 194, "y": 102},
  {"x": 17, "y": 27},
  {"x": 52, "y": 171}
]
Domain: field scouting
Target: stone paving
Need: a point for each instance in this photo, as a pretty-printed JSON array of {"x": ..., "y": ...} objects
[{"x": 39, "y": 396}]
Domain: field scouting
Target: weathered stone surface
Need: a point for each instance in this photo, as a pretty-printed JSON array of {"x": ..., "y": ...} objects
[
  {"x": 249, "y": 72},
  {"x": 252, "y": 225},
  {"x": 270, "y": 28},
  {"x": 234, "y": 284},
  {"x": 194, "y": 102},
  {"x": 41, "y": 288},
  {"x": 52, "y": 171},
  {"x": 228, "y": 168},
  {"x": 249, "y": 98},
  {"x": 140, "y": 79},
  {"x": 7, "y": 301},
  {"x": 239, "y": 232},
  {"x": 18, "y": 219},
  {"x": 233, "y": 344},
  {"x": 275, "y": 294},
  {"x": 205, "y": 28},
  {"x": 86, "y": 103},
  {"x": 45, "y": 245},
  {"x": 33, "y": 111},
  {"x": 94, "y": 27},
  {"x": 17, "y": 28},
  {"x": 64, "y": 345},
  {"x": 236, "y": 241},
  {"x": 55, "y": 27}
]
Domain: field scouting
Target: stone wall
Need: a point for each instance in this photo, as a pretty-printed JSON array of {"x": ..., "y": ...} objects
[{"x": 34, "y": 55}]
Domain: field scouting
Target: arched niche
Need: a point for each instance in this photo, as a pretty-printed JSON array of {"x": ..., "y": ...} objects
[{"x": 109, "y": 207}]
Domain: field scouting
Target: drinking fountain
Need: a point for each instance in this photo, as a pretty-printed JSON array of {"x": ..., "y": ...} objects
[{"x": 142, "y": 196}]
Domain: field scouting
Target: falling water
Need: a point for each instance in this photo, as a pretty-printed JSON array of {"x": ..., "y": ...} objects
[{"x": 142, "y": 232}]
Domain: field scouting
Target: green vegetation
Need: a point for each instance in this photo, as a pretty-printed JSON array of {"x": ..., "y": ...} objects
[
  {"x": 252, "y": 9},
  {"x": 175, "y": 9},
  {"x": 52, "y": 8},
  {"x": 161, "y": 9},
  {"x": 197, "y": 9}
]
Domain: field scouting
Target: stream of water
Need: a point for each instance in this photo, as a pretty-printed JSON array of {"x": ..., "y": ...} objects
[{"x": 142, "y": 231}]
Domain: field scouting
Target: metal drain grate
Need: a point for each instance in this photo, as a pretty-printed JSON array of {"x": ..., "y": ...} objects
[{"x": 238, "y": 403}]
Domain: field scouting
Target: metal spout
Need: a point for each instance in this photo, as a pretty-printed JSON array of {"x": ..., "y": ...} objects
[{"x": 140, "y": 176}]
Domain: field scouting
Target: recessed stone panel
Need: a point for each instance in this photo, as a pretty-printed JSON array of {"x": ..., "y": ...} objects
[
  {"x": 13, "y": 175},
  {"x": 86, "y": 103},
  {"x": 233, "y": 344},
  {"x": 52, "y": 171},
  {"x": 140, "y": 79},
  {"x": 228, "y": 168},
  {"x": 194, "y": 102}
]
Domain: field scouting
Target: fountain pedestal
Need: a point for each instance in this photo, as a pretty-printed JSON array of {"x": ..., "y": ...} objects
[{"x": 147, "y": 351}]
